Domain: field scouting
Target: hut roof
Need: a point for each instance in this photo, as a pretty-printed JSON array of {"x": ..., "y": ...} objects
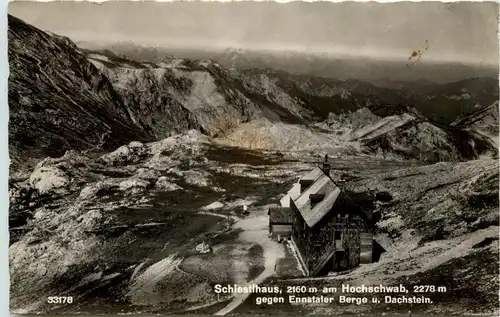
[
  {"x": 294, "y": 192},
  {"x": 313, "y": 211},
  {"x": 317, "y": 200},
  {"x": 282, "y": 215}
]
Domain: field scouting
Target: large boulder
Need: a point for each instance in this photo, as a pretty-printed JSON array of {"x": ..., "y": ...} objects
[
  {"x": 92, "y": 190},
  {"x": 126, "y": 154},
  {"x": 163, "y": 184},
  {"x": 118, "y": 156},
  {"x": 91, "y": 220},
  {"x": 133, "y": 184},
  {"x": 48, "y": 179}
]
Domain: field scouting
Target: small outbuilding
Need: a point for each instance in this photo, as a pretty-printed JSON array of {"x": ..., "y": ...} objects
[{"x": 280, "y": 222}]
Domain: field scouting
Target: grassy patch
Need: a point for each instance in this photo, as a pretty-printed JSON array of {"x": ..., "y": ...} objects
[
  {"x": 235, "y": 155},
  {"x": 242, "y": 187},
  {"x": 214, "y": 267},
  {"x": 256, "y": 255},
  {"x": 256, "y": 251}
]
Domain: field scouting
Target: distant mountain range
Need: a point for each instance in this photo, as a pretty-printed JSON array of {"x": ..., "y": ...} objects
[
  {"x": 391, "y": 74},
  {"x": 64, "y": 97}
]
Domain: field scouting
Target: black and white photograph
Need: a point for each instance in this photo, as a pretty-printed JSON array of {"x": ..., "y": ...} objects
[{"x": 253, "y": 158}]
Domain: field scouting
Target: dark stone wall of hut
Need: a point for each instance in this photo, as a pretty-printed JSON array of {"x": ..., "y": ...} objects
[
  {"x": 322, "y": 243},
  {"x": 318, "y": 244},
  {"x": 300, "y": 233},
  {"x": 351, "y": 240}
]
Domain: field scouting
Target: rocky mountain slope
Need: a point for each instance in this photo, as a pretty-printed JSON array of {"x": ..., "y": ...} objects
[
  {"x": 442, "y": 103},
  {"x": 408, "y": 134},
  {"x": 384, "y": 131},
  {"x": 58, "y": 100},
  {"x": 179, "y": 94},
  {"x": 275, "y": 110},
  {"x": 482, "y": 123}
]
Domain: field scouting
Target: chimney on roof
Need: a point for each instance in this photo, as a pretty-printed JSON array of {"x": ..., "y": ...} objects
[
  {"x": 316, "y": 198},
  {"x": 325, "y": 167},
  {"x": 305, "y": 183}
]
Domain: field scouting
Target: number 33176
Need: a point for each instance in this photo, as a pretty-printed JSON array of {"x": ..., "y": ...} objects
[{"x": 60, "y": 299}]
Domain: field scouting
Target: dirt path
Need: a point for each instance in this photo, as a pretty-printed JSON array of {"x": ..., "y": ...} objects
[
  {"x": 234, "y": 218},
  {"x": 492, "y": 138},
  {"x": 255, "y": 231}
]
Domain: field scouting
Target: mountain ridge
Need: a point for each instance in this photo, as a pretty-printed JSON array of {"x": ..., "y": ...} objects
[{"x": 147, "y": 101}]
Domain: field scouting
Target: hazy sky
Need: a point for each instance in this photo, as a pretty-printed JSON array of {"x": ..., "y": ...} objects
[{"x": 465, "y": 32}]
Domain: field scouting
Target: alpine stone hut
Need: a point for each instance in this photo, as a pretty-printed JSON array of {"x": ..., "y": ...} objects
[{"x": 327, "y": 228}]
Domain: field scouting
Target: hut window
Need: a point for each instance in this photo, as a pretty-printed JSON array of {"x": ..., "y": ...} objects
[{"x": 338, "y": 235}]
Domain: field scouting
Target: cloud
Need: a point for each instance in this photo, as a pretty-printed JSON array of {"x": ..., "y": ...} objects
[{"x": 464, "y": 32}]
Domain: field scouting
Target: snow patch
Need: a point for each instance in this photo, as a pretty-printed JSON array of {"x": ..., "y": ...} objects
[
  {"x": 99, "y": 57},
  {"x": 213, "y": 206},
  {"x": 90, "y": 278},
  {"x": 385, "y": 125}
]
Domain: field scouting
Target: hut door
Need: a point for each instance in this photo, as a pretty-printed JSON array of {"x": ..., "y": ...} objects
[{"x": 340, "y": 263}]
